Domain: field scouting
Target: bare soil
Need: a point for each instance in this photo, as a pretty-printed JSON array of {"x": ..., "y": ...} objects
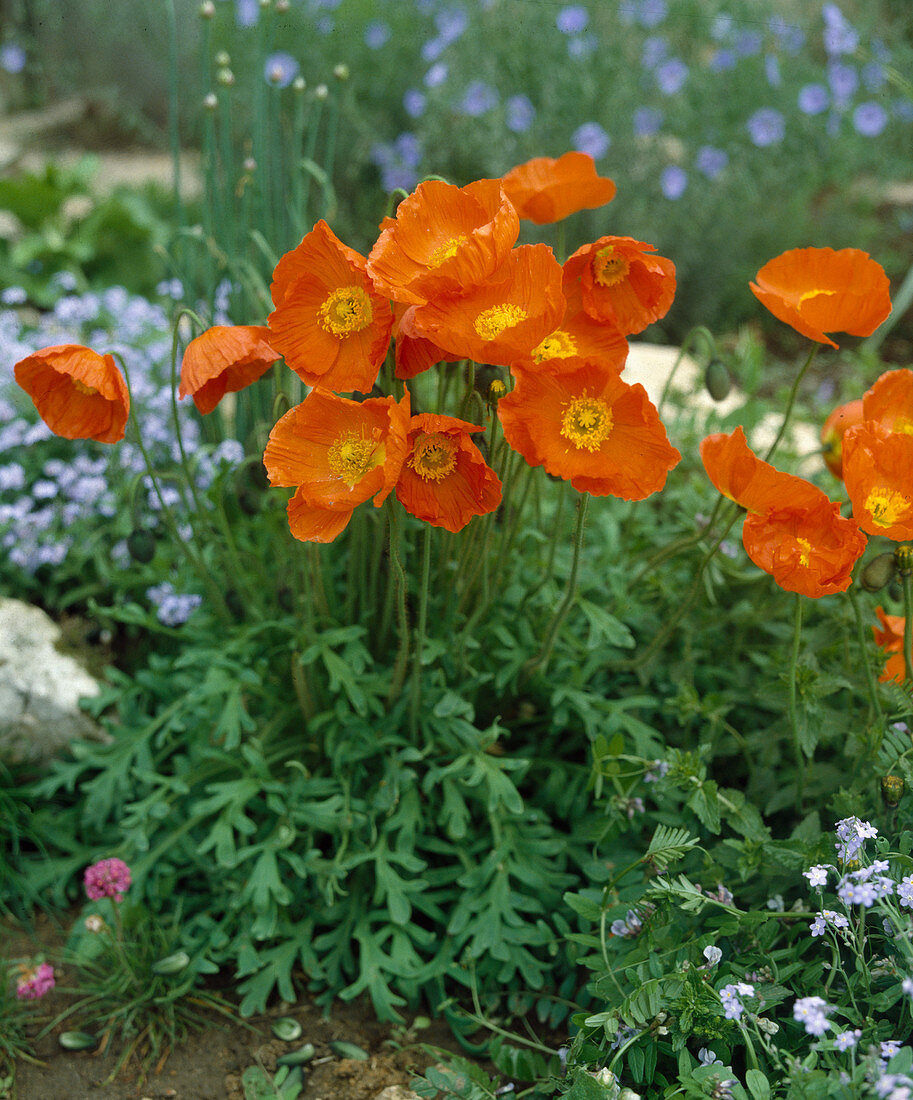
[{"x": 208, "y": 1065}]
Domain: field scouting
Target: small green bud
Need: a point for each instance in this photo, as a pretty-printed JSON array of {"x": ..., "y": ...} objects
[
  {"x": 207, "y": 9},
  {"x": 892, "y": 788},
  {"x": 141, "y": 545},
  {"x": 903, "y": 556},
  {"x": 225, "y": 78},
  {"x": 321, "y": 91},
  {"x": 878, "y": 572},
  {"x": 222, "y": 59},
  {"x": 211, "y": 101},
  {"x": 717, "y": 379},
  {"x": 341, "y": 72}
]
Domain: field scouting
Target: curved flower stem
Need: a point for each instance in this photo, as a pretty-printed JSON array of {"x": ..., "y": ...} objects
[
  {"x": 790, "y": 402},
  {"x": 684, "y": 605},
  {"x": 863, "y": 649},
  {"x": 793, "y": 713},
  {"x": 416, "y": 700},
  {"x": 188, "y": 548},
  {"x": 541, "y": 658},
  {"x": 907, "y": 581},
  {"x": 402, "y": 654}
]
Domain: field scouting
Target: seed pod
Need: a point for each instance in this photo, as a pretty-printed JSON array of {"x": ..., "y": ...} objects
[
  {"x": 172, "y": 964},
  {"x": 77, "y": 1040},
  {"x": 349, "y": 1050},
  {"x": 297, "y": 1057},
  {"x": 141, "y": 545},
  {"x": 287, "y": 1029},
  {"x": 717, "y": 379},
  {"x": 892, "y": 788},
  {"x": 878, "y": 572}
]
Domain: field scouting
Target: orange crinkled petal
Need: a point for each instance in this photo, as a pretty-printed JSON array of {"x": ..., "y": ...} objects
[
  {"x": 546, "y": 189},
  {"x": 224, "y": 359}
]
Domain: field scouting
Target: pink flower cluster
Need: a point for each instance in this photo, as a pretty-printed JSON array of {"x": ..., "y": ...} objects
[
  {"x": 35, "y": 982},
  {"x": 109, "y": 878}
]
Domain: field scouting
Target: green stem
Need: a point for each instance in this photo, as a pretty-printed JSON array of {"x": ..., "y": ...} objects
[
  {"x": 790, "y": 402},
  {"x": 907, "y": 581},
  {"x": 541, "y": 658},
  {"x": 864, "y": 652},
  {"x": 416, "y": 701},
  {"x": 793, "y": 713},
  {"x": 174, "y": 109}
]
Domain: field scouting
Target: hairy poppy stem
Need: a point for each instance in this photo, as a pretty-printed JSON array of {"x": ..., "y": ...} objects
[
  {"x": 416, "y": 699},
  {"x": 907, "y": 581},
  {"x": 541, "y": 658},
  {"x": 793, "y": 712},
  {"x": 790, "y": 402},
  {"x": 864, "y": 650}
]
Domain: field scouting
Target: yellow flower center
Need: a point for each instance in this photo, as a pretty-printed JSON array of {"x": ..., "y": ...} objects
[
  {"x": 433, "y": 455},
  {"x": 886, "y": 506},
  {"x": 351, "y": 456},
  {"x": 490, "y": 323},
  {"x": 81, "y": 387},
  {"x": 560, "y": 345},
  {"x": 805, "y": 548},
  {"x": 587, "y": 422},
  {"x": 903, "y": 424},
  {"x": 809, "y": 294},
  {"x": 609, "y": 266},
  {"x": 447, "y": 250},
  {"x": 346, "y": 310}
]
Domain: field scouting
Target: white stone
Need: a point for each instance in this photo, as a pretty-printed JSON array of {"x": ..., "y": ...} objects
[
  {"x": 397, "y": 1092},
  {"x": 687, "y": 398},
  {"x": 40, "y": 688}
]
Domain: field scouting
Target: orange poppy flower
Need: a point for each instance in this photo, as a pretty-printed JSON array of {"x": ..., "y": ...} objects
[
  {"x": 833, "y": 430},
  {"x": 890, "y": 401},
  {"x": 329, "y": 323},
  {"x": 78, "y": 393},
  {"x": 578, "y": 340},
  {"x": 878, "y": 473},
  {"x": 590, "y": 428},
  {"x": 793, "y": 531},
  {"x": 622, "y": 282},
  {"x": 414, "y": 354},
  {"x": 546, "y": 190},
  {"x": 443, "y": 240},
  {"x": 337, "y": 453},
  {"x": 819, "y": 290},
  {"x": 890, "y": 639},
  {"x": 445, "y": 481},
  {"x": 224, "y": 359},
  {"x": 499, "y": 322}
]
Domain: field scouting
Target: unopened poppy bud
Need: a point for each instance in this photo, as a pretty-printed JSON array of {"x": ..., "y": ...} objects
[
  {"x": 222, "y": 59},
  {"x": 141, "y": 545},
  {"x": 895, "y": 591},
  {"x": 717, "y": 379},
  {"x": 341, "y": 72},
  {"x": 321, "y": 91},
  {"x": 903, "y": 557},
  {"x": 878, "y": 572},
  {"x": 892, "y": 788},
  {"x": 225, "y": 77},
  {"x": 211, "y": 101},
  {"x": 207, "y": 9},
  {"x": 249, "y": 501}
]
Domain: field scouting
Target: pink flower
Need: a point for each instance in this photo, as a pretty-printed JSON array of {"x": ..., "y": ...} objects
[
  {"x": 35, "y": 982},
  {"x": 109, "y": 878}
]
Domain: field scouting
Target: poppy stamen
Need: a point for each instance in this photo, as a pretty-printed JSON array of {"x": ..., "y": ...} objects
[
  {"x": 609, "y": 266},
  {"x": 346, "y": 310},
  {"x": 587, "y": 422},
  {"x": 490, "y": 323},
  {"x": 560, "y": 345},
  {"x": 809, "y": 294},
  {"x": 805, "y": 549},
  {"x": 447, "y": 250},
  {"x": 433, "y": 456},
  {"x": 886, "y": 506},
  {"x": 81, "y": 387},
  {"x": 352, "y": 456}
]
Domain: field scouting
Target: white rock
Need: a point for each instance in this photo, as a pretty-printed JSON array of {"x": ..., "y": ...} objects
[
  {"x": 687, "y": 398},
  {"x": 397, "y": 1092},
  {"x": 40, "y": 688}
]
